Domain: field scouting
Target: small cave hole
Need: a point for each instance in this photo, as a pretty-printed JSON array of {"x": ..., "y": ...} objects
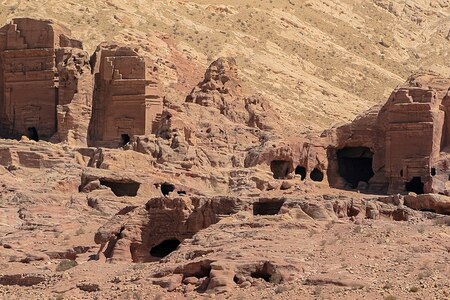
[
  {"x": 236, "y": 279},
  {"x": 401, "y": 173},
  {"x": 300, "y": 170},
  {"x": 165, "y": 248},
  {"x": 316, "y": 175},
  {"x": 181, "y": 193},
  {"x": 264, "y": 272},
  {"x": 121, "y": 189},
  {"x": 280, "y": 168},
  {"x": 415, "y": 185},
  {"x": 167, "y": 188},
  {"x": 355, "y": 164},
  {"x": 33, "y": 134},
  {"x": 433, "y": 172},
  {"x": 125, "y": 139},
  {"x": 267, "y": 208},
  {"x": 262, "y": 275}
]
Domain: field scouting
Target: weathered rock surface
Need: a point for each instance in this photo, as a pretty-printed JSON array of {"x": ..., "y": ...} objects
[
  {"x": 278, "y": 230},
  {"x": 435, "y": 203},
  {"x": 141, "y": 234}
]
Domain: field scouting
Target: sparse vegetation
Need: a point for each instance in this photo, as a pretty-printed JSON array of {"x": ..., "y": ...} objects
[
  {"x": 276, "y": 278},
  {"x": 421, "y": 229},
  {"x": 80, "y": 231},
  {"x": 65, "y": 265},
  {"x": 443, "y": 221},
  {"x": 358, "y": 229}
]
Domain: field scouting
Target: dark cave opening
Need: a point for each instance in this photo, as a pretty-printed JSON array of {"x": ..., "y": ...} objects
[
  {"x": 262, "y": 275},
  {"x": 433, "y": 172},
  {"x": 355, "y": 164},
  {"x": 264, "y": 271},
  {"x": 33, "y": 134},
  {"x": 280, "y": 168},
  {"x": 415, "y": 186},
  {"x": 165, "y": 248},
  {"x": 121, "y": 189},
  {"x": 125, "y": 139},
  {"x": 267, "y": 208},
  {"x": 167, "y": 188},
  {"x": 316, "y": 175},
  {"x": 300, "y": 170}
]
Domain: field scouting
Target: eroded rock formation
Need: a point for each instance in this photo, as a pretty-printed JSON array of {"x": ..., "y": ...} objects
[{"x": 152, "y": 231}]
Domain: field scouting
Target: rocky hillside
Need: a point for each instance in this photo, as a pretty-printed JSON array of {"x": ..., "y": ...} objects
[{"x": 319, "y": 62}]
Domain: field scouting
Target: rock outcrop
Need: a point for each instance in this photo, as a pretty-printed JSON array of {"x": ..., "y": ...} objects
[
  {"x": 221, "y": 89},
  {"x": 151, "y": 232}
]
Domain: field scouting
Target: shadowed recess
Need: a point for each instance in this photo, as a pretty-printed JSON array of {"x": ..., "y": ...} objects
[
  {"x": 316, "y": 175},
  {"x": 267, "y": 208},
  {"x": 355, "y": 164},
  {"x": 167, "y": 188},
  {"x": 415, "y": 185},
  {"x": 121, "y": 189},
  {"x": 280, "y": 169},
  {"x": 165, "y": 248},
  {"x": 300, "y": 170}
]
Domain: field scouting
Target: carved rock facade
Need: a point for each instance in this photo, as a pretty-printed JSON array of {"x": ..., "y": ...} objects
[
  {"x": 40, "y": 69},
  {"x": 126, "y": 97},
  {"x": 397, "y": 148}
]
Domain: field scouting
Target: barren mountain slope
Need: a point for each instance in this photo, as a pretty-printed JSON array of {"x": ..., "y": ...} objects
[{"x": 319, "y": 62}]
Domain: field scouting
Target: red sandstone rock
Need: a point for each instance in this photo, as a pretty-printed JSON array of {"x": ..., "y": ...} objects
[
  {"x": 43, "y": 71},
  {"x": 127, "y": 98},
  {"x": 219, "y": 142}
]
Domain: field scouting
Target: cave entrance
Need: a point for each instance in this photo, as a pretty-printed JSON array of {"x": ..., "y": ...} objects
[
  {"x": 167, "y": 188},
  {"x": 264, "y": 272},
  {"x": 355, "y": 164},
  {"x": 280, "y": 168},
  {"x": 300, "y": 170},
  {"x": 33, "y": 134},
  {"x": 415, "y": 185},
  {"x": 125, "y": 139},
  {"x": 165, "y": 248},
  {"x": 121, "y": 189},
  {"x": 316, "y": 175},
  {"x": 267, "y": 208}
]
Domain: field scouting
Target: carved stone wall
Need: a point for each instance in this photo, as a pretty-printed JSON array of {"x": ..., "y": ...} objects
[
  {"x": 127, "y": 100},
  {"x": 31, "y": 58},
  {"x": 413, "y": 135},
  {"x": 408, "y": 137}
]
